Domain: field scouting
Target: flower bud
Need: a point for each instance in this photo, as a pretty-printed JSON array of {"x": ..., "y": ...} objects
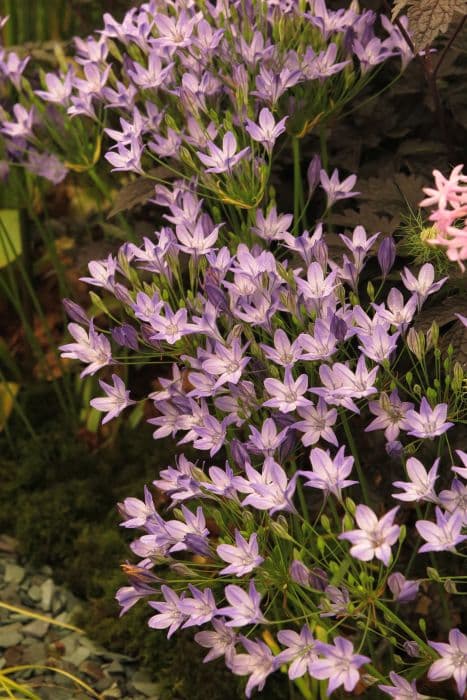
[
  {"x": 299, "y": 573},
  {"x": 394, "y": 449},
  {"x": 416, "y": 343},
  {"x": 75, "y": 312},
  {"x": 312, "y": 174},
  {"x": 126, "y": 336},
  {"x": 411, "y": 648},
  {"x": 386, "y": 255}
]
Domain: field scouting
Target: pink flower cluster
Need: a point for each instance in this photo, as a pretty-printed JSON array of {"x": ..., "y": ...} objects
[{"x": 449, "y": 199}]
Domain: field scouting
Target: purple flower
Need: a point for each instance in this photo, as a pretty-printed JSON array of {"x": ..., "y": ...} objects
[
  {"x": 243, "y": 557},
  {"x": 398, "y": 313},
  {"x": 244, "y": 607},
  {"x": 200, "y": 608},
  {"x": 197, "y": 238},
  {"x": 428, "y": 422},
  {"x": 316, "y": 286},
  {"x": 340, "y": 664},
  {"x": 46, "y": 165},
  {"x": 174, "y": 32},
  {"x": 170, "y": 614},
  {"x": 371, "y": 54},
  {"x": 289, "y": 394},
  {"x": 359, "y": 245},
  {"x": 170, "y": 327},
  {"x": 461, "y": 470},
  {"x": 378, "y": 345},
  {"x": 58, "y": 91},
  {"x": 258, "y": 663},
  {"x": 226, "y": 362},
  {"x": 273, "y": 226},
  {"x": 401, "y": 689},
  {"x": 222, "y": 160},
  {"x": 152, "y": 77},
  {"x": 268, "y": 440},
  {"x": 284, "y": 352},
  {"x": 316, "y": 423},
  {"x": 329, "y": 474},
  {"x": 211, "y": 435},
  {"x": 127, "y": 159},
  {"x": 375, "y": 537},
  {"x": 221, "y": 641},
  {"x": 22, "y": 127},
  {"x": 92, "y": 348},
  {"x": 390, "y": 412},
  {"x": 442, "y": 536},
  {"x": 424, "y": 284},
  {"x": 336, "y": 190},
  {"x": 321, "y": 345},
  {"x": 403, "y": 590},
  {"x": 454, "y": 500},
  {"x": 117, "y": 399},
  {"x": 270, "y": 490},
  {"x": 102, "y": 273},
  {"x": 271, "y": 85},
  {"x": 301, "y": 651},
  {"x": 421, "y": 484},
  {"x": 267, "y": 130},
  {"x": 453, "y": 662},
  {"x": 127, "y": 596},
  {"x": 138, "y": 512},
  {"x": 12, "y": 67}
]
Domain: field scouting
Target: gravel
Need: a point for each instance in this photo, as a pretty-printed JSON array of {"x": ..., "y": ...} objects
[{"x": 26, "y": 640}]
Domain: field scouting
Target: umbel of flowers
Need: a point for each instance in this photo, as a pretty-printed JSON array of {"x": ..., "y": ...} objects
[
  {"x": 273, "y": 535},
  {"x": 271, "y": 538},
  {"x": 204, "y": 86}
]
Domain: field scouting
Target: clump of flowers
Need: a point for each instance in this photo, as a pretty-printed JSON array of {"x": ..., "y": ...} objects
[
  {"x": 448, "y": 199},
  {"x": 273, "y": 533}
]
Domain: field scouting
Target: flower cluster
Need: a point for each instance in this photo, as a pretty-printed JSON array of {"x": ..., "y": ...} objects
[
  {"x": 449, "y": 200},
  {"x": 276, "y": 355},
  {"x": 155, "y": 86}
]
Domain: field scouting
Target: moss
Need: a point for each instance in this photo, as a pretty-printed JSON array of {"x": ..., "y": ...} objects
[{"x": 59, "y": 498}]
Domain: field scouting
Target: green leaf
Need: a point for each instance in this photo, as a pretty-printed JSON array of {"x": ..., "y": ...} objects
[{"x": 10, "y": 236}]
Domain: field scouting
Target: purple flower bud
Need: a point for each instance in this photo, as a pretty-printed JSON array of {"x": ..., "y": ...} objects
[
  {"x": 122, "y": 294},
  {"x": 312, "y": 174},
  {"x": 386, "y": 254},
  {"x": 300, "y": 573},
  {"x": 75, "y": 312},
  {"x": 216, "y": 296},
  {"x": 239, "y": 452},
  {"x": 403, "y": 590},
  {"x": 395, "y": 449},
  {"x": 338, "y": 327},
  {"x": 320, "y": 254},
  {"x": 197, "y": 544},
  {"x": 318, "y": 579},
  {"x": 411, "y": 648},
  {"x": 126, "y": 336},
  {"x": 288, "y": 445}
]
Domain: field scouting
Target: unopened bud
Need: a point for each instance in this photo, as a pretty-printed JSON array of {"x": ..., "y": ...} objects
[
  {"x": 386, "y": 255},
  {"x": 416, "y": 343}
]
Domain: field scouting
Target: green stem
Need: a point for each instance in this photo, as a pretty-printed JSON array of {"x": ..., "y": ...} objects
[
  {"x": 297, "y": 183},
  {"x": 353, "y": 449}
]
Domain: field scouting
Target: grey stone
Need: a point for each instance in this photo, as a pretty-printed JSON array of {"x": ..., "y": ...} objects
[
  {"x": 79, "y": 655},
  {"x": 35, "y": 593},
  {"x": 46, "y": 570},
  {"x": 47, "y": 588},
  {"x": 58, "y": 603},
  {"x": 37, "y": 628},
  {"x": 33, "y": 653},
  {"x": 13, "y": 573},
  {"x": 112, "y": 692},
  {"x": 10, "y": 635},
  {"x": 115, "y": 667},
  {"x": 149, "y": 690}
]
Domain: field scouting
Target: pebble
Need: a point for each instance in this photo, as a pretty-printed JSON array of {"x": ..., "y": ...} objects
[
  {"x": 10, "y": 635},
  {"x": 37, "y": 628},
  {"x": 47, "y": 590},
  {"x": 13, "y": 573},
  {"x": 25, "y": 640}
]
